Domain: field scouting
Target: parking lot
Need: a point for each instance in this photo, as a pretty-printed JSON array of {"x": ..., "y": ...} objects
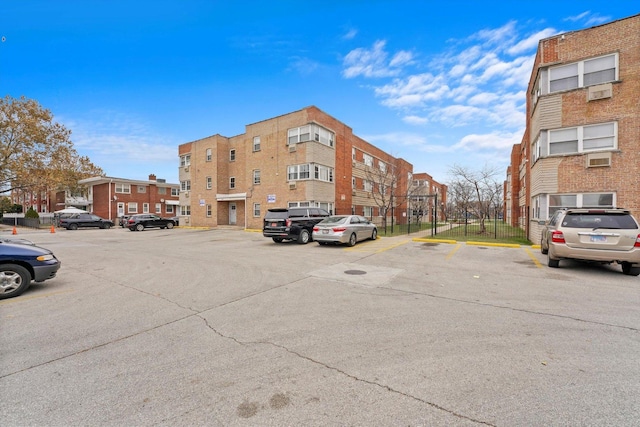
[{"x": 225, "y": 327}]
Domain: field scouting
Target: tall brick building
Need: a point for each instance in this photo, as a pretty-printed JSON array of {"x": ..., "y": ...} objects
[
  {"x": 304, "y": 158},
  {"x": 581, "y": 147}
]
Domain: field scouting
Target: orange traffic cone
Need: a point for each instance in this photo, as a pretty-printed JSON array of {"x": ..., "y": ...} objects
[
  {"x": 53, "y": 229},
  {"x": 15, "y": 231}
]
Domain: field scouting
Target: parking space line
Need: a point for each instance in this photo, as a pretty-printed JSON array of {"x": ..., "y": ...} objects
[
  {"x": 533, "y": 257},
  {"x": 453, "y": 251}
]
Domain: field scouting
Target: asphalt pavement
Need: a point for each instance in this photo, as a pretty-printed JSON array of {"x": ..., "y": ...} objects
[{"x": 198, "y": 327}]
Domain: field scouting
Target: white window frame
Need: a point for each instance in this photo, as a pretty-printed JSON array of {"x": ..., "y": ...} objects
[
  {"x": 185, "y": 160},
  {"x": 185, "y": 185},
  {"x": 142, "y": 189},
  {"x": 209, "y": 183},
  {"x": 367, "y": 185},
  {"x": 310, "y": 132},
  {"x": 185, "y": 210},
  {"x": 232, "y": 155},
  {"x": 367, "y": 159},
  {"x": 580, "y": 138},
  {"x": 576, "y": 70},
  {"x": 169, "y": 209},
  {"x": 158, "y": 208},
  {"x": 256, "y": 143},
  {"x": 323, "y": 173},
  {"x": 256, "y": 176},
  {"x": 145, "y": 208},
  {"x": 132, "y": 207},
  {"x": 579, "y": 201},
  {"x": 175, "y": 191},
  {"x": 209, "y": 211},
  {"x": 256, "y": 210},
  {"x": 208, "y": 154},
  {"x": 298, "y": 172},
  {"x": 232, "y": 182},
  {"x": 123, "y": 188}
]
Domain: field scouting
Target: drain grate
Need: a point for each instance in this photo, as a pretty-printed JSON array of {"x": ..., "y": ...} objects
[{"x": 355, "y": 272}]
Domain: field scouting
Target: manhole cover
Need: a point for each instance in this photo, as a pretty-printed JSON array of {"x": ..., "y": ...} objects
[{"x": 355, "y": 272}]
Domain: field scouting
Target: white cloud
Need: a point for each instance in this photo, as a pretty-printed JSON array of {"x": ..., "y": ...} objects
[
  {"x": 491, "y": 141},
  {"x": 415, "y": 120},
  {"x": 531, "y": 42},
  {"x": 588, "y": 18},
  {"x": 373, "y": 62},
  {"x": 351, "y": 34},
  {"x": 577, "y": 17}
]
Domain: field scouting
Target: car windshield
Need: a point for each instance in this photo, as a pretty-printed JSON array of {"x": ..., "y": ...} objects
[
  {"x": 333, "y": 220},
  {"x": 600, "y": 220}
]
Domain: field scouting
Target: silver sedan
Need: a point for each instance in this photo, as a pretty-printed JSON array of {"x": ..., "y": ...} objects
[{"x": 341, "y": 229}]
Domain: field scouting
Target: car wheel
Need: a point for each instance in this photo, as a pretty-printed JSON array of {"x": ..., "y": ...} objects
[
  {"x": 352, "y": 239},
  {"x": 303, "y": 237},
  {"x": 555, "y": 263},
  {"x": 374, "y": 235},
  {"x": 169, "y": 225},
  {"x": 72, "y": 227},
  {"x": 277, "y": 239},
  {"x": 542, "y": 249},
  {"x": 106, "y": 226},
  {"x": 139, "y": 227},
  {"x": 629, "y": 270},
  {"x": 14, "y": 280}
]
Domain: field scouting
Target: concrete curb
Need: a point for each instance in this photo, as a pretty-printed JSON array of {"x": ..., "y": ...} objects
[{"x": 473, "y": 243}]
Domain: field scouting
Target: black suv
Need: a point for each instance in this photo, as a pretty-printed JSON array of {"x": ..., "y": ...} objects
[{"x": 292, "y": 224}]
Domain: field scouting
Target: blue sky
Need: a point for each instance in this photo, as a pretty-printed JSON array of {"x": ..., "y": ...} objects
[{"x": 437, "y": 83}]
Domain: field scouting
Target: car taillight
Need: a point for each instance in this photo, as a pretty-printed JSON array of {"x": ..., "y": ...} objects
[
  {"x": 557, "y": 237},
  {"x": 316, "y": 228},
  {"x": 637, "y": 245},
  {"x": 339, "y": 229},
  {"x": 287, "y": 222}
]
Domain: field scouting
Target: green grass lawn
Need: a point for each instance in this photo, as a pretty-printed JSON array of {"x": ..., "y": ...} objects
[{"x": 504, "y": 233}]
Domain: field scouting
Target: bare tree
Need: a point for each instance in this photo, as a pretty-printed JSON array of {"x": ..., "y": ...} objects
[
  {"x": 387, "y": 186},
  {"x": 36, "y": 153},
  {"x": 476, "y": 192}
]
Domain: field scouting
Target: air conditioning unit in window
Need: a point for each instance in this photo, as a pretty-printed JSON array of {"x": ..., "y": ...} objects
[
  {"x": 600, "y": 92},
  {"x": 292, "y": 186},
  {"x": 186, "y": 168},
  {"x": 186, "y": 194},
  {"x": 292, "y": 148},
  {"x": 598, "y": 160}
]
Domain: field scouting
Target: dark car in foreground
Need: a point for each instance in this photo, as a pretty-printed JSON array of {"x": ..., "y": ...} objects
[
  {"x": 292, "y": 223},
  {"x": 22, "y": 262},
  {"x": 84, "y": 220},
  {"x": 596, "y": 235},
  {"x": 142, "y": 221},
  {"x": 344, "y": 229}
]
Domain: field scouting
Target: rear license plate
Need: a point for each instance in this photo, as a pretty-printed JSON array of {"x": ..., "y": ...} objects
[
  {"x": 274, "y": 224},
  {"x": 598, "y": 238},
  {"x": 325, "y": 231}
]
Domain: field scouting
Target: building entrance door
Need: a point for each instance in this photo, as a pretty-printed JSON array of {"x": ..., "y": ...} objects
[{"x": 232, "y": 214}]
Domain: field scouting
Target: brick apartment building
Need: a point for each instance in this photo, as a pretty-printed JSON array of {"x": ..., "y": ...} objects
[
  {"x": 581, "y": 147},
  {"x": 303, "y": 158},
  {"x": 112, "y": 198}
]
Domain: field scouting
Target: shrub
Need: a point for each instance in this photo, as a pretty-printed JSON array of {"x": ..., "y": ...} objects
[{"x": 31, "y": 213}]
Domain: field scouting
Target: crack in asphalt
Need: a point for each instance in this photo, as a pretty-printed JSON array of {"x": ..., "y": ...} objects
[{"x": 348, "y": 375}]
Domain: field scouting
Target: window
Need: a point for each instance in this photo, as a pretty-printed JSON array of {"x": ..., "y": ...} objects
[
  {"x": 368, "y": 160},
  {"x": 580, "y": 200},
  {"x": 368, "y": 211},
  {"x": 123, "y": 188},
  {"x": 583, "y": 138},
  {"x": 368, "y": 185},
  {"x": 158, "y": 208},
  {"x": 132, "y": 207},
  {"x": 256, "y": 176},
  {"x": 353, "y": 154},
  {"x": 185, "y": 210},
  {"x": 311, "y": 132},
  {"x": 162, "y": 190},
  {"x": 232, "y": 155},
  {"x": 185, "y": 160},
  {"x": 584, "y": 73},
  {"x": 382, "y": 166},
  {"x": 208, "y": 155},
  {"x": 256, "y": 143},
  {"x": 209, "y": 183},
  {"x": 145, "y": 208},
  {"x": 296, "y": 172},
  {"x": 175, "y": 191},
  {"x": 323, "y": 173},
  {"x": 142, "y": 189},
  {"x": 353, "y": 182},
  {"x": 185, "y": 185},
  {"x": 208, "y": 211},
  {"x": 535, "y": 150},
  {"x": 256, "y": 210},
  {"x": 169, "y": 208},
  {"x": 232, "y": 182}
]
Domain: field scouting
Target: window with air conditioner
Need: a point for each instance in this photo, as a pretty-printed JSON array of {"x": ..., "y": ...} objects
[{"x": 581, "y": 139}]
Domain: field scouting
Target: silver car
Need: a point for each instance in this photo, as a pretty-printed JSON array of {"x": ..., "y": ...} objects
[
  {"x": 341, "y": 229},
  {"x": 599, "y": 235}
]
